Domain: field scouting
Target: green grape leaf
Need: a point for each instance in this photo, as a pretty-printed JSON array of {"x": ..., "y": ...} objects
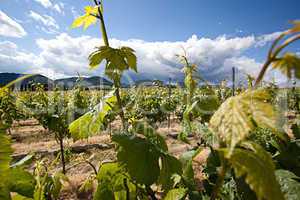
[
  {"x": 130, "y": 57},
  {"x": 239, "y": 115},
  {"x": 20, "y": 197},
  {"x": 21, "y": 182},
  {"x": 112, "y": 178},
  {"x": 140, "y": 157},
  {"x": 5, "y": 158},
  {"x": 91, "y": 122},
  {"x": 87, "y": 19},
  {"x": 117, "y": 59},
  {"x": 5, "y": 154},
  {"x": 4, "y": 191},
  {"x": 288, "y": 63},
  {"x": 169, "y": 167},
  {"x": 149, "y": 132},
  {"x": 256, "y": 165},
  {"x": 176, "y": 194},
  {"x": 187, "y": 165},
  {"x": 99, "y": 55},
  {"x": 206, "y": 106},
  {"x": 289, "y": 184},
  {"x": 57, "y": 179}
]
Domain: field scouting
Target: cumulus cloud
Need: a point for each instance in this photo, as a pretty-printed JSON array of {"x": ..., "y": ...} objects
[
  {"x": 155, "y": 59},
  {"x": 65, "y": 55},
  {"x": 48, "y": 4},
  {"x": 12, "y": 59},
  {"x": 9, "y": 27},
  {"x": 46, "y": 20},
  {"x": 264, "y": 39}
]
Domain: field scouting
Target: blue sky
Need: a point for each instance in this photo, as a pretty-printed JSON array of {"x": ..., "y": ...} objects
[{"x": 218, "y": 33}]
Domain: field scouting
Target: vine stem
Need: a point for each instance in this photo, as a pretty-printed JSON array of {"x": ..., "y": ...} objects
[
  {"x": 272, "y": 55},
  {"x": 106, "y": 42},
  {"x": 93, "y": 166},
  {"x": 127, "y": 189},
  {"x": 220, "y": 180},
  {"x": 62, "y": 152}
]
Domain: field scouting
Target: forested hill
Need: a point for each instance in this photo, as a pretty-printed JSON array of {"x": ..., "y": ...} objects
[{"x": 68, "y": 83}]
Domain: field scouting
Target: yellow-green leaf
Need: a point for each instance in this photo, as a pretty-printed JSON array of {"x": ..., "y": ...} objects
[
  {"x": 111, "y": 183},
  {"x": 92, "y": 122},
  {"x": 117, "y": 60},
  {"x": 176, "y": 194},
  {"x": 238, "y": 115},
  {"x": 87, "y": 19},
  {"x": 287, "y": 64},
  {"x": 78, "y": 22},
  {"x": 257, "y": 167}
]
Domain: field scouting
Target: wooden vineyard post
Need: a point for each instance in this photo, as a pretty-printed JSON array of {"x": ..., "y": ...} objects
[
  {"x": 169, "y": 114},
  {"x": 233, "y": 81}
]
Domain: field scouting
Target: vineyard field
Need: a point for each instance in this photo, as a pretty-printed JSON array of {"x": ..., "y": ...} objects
[{"x": 129, "y": 119}]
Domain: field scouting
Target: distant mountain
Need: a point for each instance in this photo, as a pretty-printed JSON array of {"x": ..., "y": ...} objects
[
  {"x": 88, "y": 82},
  {"x": 6, "y": 78}
]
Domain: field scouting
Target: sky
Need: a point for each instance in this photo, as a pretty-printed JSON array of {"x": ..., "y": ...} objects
[{"x": 36, "y": 36}]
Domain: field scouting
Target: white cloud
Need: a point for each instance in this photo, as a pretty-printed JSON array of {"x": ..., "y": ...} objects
[
  {"x": 65, "y": 56},
  {"x": 74, "y": 12},
  {"x": 9, "y": 27},
  {"x": 264, "y": 39},
  {"x": 46, "y": 20},
  {"x": 48, "y": 4},
  {"x": 45, "y": 3},
  {"x": 12, "y": 59},
  {"x": 155, "y": 59}
]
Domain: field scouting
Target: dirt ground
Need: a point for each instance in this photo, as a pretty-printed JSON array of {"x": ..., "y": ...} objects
[{"x": 30, "y": 137}]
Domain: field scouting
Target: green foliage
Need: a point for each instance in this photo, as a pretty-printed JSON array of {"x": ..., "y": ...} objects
[
  {"x": 8, "y": 108},
  {"x": 239, "y": 115},
  {"x": 92, "y": 122},
  {"x": 5, "y": 153},
  {"x": 140, "y": 127},
  {"x": 289, "y": 183},
  {"x": 152, "y": 156},
  {"x": 114, "y": 183},
  {"x": 117, "y": 61},
  {"x": 132, "y": 149},
  {"x": 78, "y": 102},
  {"x": 51, "y": 110},
  {"x": 288, "y": 157},
  {"x": 256, "y": 165},
  {"x": 190, "y": 84},
  {"x": 176, "y": 194},
  {"x": 188, "y": 175},
  {"x": 264, "y": 137},
  {"x": 287, "y": 64},
  {"x": 21, "y": 182},
  {"x": 47, "y": 186},
  {"x": 149, "y": 104},
  {"x": 169, "y": 167},
  {"x": 12, "y": 179},
  {"x": 207, "y": 104}
]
